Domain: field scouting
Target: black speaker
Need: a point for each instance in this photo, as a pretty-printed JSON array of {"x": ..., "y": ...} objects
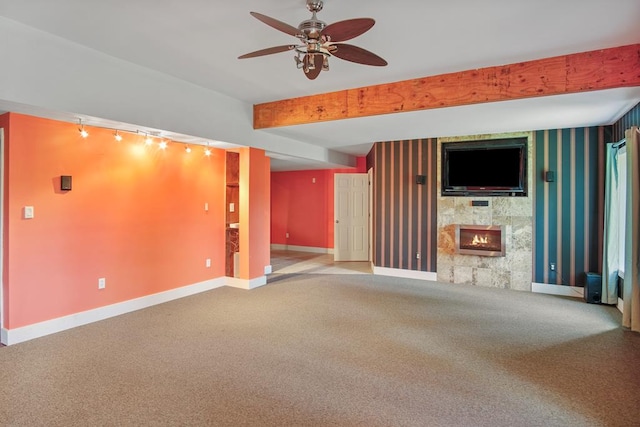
[
  {"x": 421, "y": 179},
  {"x": 549, "y": 176},
  {"x": 65, "y": 182},
  {"x": 593, "y": 288}
]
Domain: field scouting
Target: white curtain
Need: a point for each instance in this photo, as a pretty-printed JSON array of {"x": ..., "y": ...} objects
[
  {"x": 631, "y": 288},
  {"x": 611, "y": 241}
]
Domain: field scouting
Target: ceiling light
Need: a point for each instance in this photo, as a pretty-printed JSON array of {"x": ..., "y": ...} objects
[
  {"x": 83, "y": 133},
  {"x": 318, "y": 41},
  {"x": 117, "y": 136}
]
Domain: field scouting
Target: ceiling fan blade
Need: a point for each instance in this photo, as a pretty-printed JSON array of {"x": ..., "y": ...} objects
[
  {"x": 346, "y": 30},
  {"x": 268, "y": 51},
  {"x": 317, "y": 59},
  {"x": 356, "y": 54},
  {"x": 278, "y": 25}
]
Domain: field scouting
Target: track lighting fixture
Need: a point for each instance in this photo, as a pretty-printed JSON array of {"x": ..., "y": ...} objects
[
  {"x": 83, "y": 133},
  {"x": 149, "y": 138}
]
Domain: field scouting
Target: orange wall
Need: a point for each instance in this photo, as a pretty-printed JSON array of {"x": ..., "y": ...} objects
[
  {"x": 254, "y": 213},
  {"x": 304, "y": 209},
  {"x": 135, "y": 216}
]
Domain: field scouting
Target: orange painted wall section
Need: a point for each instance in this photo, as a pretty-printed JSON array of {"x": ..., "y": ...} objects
[
  {"x": 253, "y": 206},
  {"x": 304, "y": 208},
  {"x": 5, "y": 129},
  {"x": 135, "y": 216}
]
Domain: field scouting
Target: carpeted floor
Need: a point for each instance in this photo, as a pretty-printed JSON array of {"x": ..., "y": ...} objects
[{"x": 341, "y": 349}]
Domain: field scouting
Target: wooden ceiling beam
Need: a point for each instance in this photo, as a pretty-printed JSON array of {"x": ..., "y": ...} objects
[{"x": 580, "y": 72}]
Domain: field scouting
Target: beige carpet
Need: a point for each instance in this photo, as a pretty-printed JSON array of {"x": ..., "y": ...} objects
[{"x": 334, "y": 350}]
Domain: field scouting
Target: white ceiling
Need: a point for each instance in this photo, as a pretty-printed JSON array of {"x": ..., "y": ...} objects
[{"x": 199, "y": 41}]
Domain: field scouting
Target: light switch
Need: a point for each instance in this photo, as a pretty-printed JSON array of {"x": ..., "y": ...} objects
[
  {"x": 232, "y": 207},
  {"x": 206, "y": 207},
  {"x": 28, "y": 212}
]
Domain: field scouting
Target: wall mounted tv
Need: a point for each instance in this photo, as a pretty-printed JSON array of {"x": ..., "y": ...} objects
[{"x": 496, "y": 167}]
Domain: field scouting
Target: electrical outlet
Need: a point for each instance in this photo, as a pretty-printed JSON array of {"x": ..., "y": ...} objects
[
  {"x": 102, "y": 283},
  {"x": 207, "y": 263},
  {"x": 287, "y": 235},
  {"x": 417, "y": 255},
  {"x": 552, "y": 266}
]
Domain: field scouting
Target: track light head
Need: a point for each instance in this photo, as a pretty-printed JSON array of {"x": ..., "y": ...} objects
[{"x": 83, "y": 133}]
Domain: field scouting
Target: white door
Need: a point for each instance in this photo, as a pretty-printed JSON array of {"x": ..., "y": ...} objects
[{"x": 351, "y": 228}]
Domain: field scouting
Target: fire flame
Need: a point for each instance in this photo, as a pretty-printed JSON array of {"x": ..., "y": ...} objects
[{"x": 479, "y": 240}]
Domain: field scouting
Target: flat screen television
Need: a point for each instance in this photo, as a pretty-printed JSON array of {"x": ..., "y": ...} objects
[{"x": 496, "y": 167}]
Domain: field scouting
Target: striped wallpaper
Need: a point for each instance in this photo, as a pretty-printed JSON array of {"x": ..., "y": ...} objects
[
  {"x": 632, "y": 118},
  {"x": 567, "y": 214},
  {"x": 405, "y": 212}
]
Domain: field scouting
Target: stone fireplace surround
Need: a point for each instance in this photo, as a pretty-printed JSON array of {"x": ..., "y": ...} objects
[{"x": 515, "y": 214}]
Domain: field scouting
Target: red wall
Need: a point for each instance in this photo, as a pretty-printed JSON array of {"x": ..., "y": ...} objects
[
  {"x": 304, "y": 208},
  {"x": 135, "y": 216}
]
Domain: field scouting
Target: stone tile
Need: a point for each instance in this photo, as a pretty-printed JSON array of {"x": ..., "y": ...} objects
[
  {"x": 445, "y": 274},
  {"x": 522, "y": 238},
  {"x": 501, "y": 279},
  {"x": 462, "y": 274},
  {"x": 521, "y": 261},
  {"x": 521, "y": 281},
  {"x": 447, "y": 240},
  {"x": 482, "y": 217},
  {"x": 482, "y": 277},
  {"x": 446, "y": 206}
]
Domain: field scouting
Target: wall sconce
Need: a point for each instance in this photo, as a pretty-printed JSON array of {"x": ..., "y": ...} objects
[{"x": 117, "y": 136}]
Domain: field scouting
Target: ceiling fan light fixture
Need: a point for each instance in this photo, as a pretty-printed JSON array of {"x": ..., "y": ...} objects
[{"x": 320, "y": 41}]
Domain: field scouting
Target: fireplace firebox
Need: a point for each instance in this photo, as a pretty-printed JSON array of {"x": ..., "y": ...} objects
[{"x": 484, "y": 240}]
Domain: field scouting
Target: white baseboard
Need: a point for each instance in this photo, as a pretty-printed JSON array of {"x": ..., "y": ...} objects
[
  {"x": 25, "y": 333},
  {"x": 234, "y": 282},
  {"x": 278, "y": 247},
  {"x": 409, "y": 274},
  {"x": 620, "y": 305},
  {"x": 562, "y": 290}
]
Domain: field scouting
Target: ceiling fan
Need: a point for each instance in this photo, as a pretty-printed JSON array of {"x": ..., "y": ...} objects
[{"x": 320, "y": 41}]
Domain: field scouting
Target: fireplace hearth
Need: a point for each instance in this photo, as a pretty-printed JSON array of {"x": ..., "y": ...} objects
[{"x": 483, "y": 240}]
